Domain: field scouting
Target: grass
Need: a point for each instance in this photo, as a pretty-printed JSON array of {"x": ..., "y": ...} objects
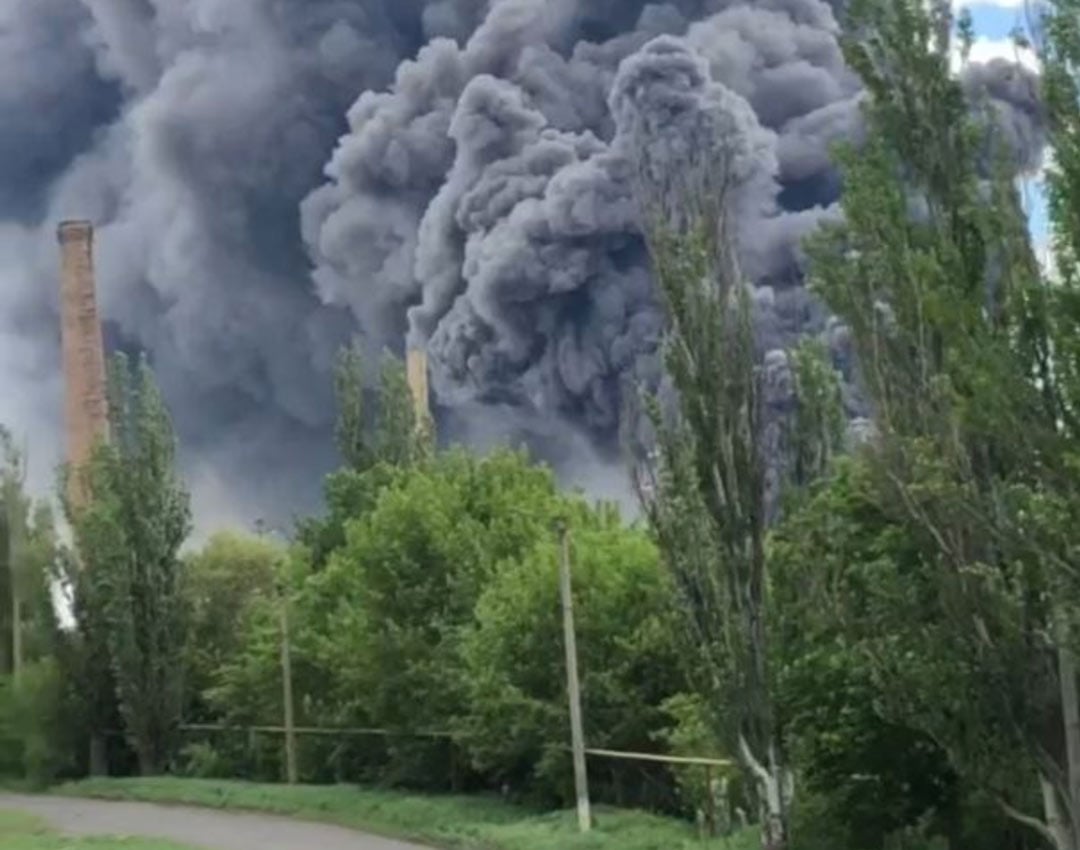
[
  {"x": 24, "y": 832},
  {"x": 454, "y": 823}
]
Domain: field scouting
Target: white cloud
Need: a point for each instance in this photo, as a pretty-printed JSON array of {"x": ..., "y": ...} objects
[{"x": 984, "y": 49}]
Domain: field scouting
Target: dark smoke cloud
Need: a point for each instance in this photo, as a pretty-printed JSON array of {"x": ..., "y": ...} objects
[
  {"x": 50, "y": 102},
  {"x": 189, "y": 132},
  {"x": 509, "y": 233},
  {"x": 269, "y": 175},
  {"x": 1009, "y": 94}
]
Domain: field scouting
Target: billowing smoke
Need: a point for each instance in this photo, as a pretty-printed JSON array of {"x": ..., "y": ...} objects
[{"x": 269, "y": 176}]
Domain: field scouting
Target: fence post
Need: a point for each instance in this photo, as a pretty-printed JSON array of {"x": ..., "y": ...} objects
[
  {"x": 252, "y": 749},
  {"x": 577, "y": 733}
]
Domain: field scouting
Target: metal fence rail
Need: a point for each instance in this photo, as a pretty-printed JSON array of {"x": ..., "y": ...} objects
[
  {"x": 361, "y": 731},
  {"x": 326, "y": 731}
]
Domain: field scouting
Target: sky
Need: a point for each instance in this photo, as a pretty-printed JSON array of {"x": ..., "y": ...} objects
[{"x": 994, "y": 21}]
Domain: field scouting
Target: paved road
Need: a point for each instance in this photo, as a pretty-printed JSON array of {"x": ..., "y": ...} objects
[{"x": 204, "y": 828}]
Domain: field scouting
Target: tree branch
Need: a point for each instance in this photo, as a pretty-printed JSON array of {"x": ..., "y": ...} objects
[
  {"x": 1028, "y": 820},
  {"x": 751, "y": 762}
]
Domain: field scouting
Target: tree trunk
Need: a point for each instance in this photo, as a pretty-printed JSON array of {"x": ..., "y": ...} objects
[
  {"x": 16, "y": 636},
  {"x": 5, "y": 654},
  {"x": 1070, "y": 715},
  {"x": 1053, "y": 827},
  {"x": 99, "y": 761},
  {"x": 775, "y": 790},
  {"x": 1058, "y": 828}
]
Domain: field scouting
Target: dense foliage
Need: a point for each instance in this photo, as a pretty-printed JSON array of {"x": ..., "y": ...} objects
[
  {"x": 438, "y": 621},
  {"x": 129, "y": 535}
]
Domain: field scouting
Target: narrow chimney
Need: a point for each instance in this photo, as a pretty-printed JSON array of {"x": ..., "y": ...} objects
[
  {"x": 416, "y": 365},
  {"x": 85, "y": 404}
]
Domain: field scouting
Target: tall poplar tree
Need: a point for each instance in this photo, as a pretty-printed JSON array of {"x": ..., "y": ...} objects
[
  {"x": 129, "y": 535},
  {"x": 706, "y": 490},
  {"x": 964, "y": 350}
]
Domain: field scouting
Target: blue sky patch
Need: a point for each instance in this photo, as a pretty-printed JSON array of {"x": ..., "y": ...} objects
[{"x": 996, "y": 21}]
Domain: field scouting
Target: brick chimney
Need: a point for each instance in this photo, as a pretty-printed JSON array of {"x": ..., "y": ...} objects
[
  {"x": 416, "y": 366},
  {"x": 85, "y": 404}
]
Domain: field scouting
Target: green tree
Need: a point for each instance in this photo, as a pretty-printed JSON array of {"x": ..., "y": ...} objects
[
  {"x": 85, "y": 659},
  {"x": 852, "y": 584},
  {"x": 34, "y": 699},
  {"x": 707, "y": 497},
  {"x": 398, "y": 438},
  {"x": 406, "y": 583},
  {"x": 37, "y": 741},
  {"x": 223, "y": 580},
  {"x": 129, "y": 535},
  {"x": 377, "y": 435},
  {"x": 244, "y": 677},
  {"x": 933, "y": 273},
  {"x": 1059, "y": 50},
  {"x": 351, "y": 429},
  {"x": 385, "y": 431},
  {"x": 28, "y": 549},
  {"x": 815, "y": 434},
  {"x": 517, "y": 715}
]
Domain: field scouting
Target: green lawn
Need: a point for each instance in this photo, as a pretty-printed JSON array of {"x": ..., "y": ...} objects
[
  {"x": 456, "y": 823},
  {"x": 23, "y": 832}
]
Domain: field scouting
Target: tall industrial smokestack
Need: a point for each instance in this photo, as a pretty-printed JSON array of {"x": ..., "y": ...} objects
[
  {"x": 85, "y": 404},
  {"x": 416, "y": 366}
]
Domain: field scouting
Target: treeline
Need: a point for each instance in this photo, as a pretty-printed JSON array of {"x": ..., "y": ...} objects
[
  {"x": 882, "y": 635},
  {"x": 423, "y": 604}
]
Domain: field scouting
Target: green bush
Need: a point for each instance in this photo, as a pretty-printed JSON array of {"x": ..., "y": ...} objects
[
  {"x": 516, "y": 726},
  {"x": 201, "y": 760},
  {"x": 692, "y": 731},
  {"x": 37, "y": 740},
  {"x": 386, "y": 614}
]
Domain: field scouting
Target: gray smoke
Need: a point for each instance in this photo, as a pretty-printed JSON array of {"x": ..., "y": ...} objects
[{"x": 268, "y": 176}]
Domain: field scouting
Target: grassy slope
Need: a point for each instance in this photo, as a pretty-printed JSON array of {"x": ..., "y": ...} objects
[
  {"x": 462, "y": 823},
  {"x": 23, "y": 832}
]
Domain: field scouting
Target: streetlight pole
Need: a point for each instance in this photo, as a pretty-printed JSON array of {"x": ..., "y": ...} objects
[{"x": 573, "y": 686}]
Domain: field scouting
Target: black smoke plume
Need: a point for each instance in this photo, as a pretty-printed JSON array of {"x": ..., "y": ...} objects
[{"x": 270, "y": 176}]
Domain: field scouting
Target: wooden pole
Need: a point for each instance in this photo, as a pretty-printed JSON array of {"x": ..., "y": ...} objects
[
  {"x": 12, "y": 495},
  {"x": 287, "y": 690},
  {"x": 710, "y": 803},
  {"x": 281, "y": 583},
  {"x": 16, "y": 637},
  {"x": 15, "y": 522},
  {"x": 573, "y": 687}
]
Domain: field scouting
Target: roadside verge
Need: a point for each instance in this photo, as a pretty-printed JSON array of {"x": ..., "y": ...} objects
[{"x": 449, "y": 822}]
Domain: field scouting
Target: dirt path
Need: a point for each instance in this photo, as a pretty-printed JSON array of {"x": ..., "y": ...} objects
[{"x": 204, "y": 828}]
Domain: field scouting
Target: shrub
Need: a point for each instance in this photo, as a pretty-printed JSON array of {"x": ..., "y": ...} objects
[
  {"x": 36, "y": 739},
  {"x": 517, "y": 726}
]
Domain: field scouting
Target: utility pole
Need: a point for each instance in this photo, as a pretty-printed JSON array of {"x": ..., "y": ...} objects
[
  {"x": 573, "y": 687},
  {"x": 14, "y": 482},
  {"x": 281, "y": 584},
  {"x": 286, "y": 684}
]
